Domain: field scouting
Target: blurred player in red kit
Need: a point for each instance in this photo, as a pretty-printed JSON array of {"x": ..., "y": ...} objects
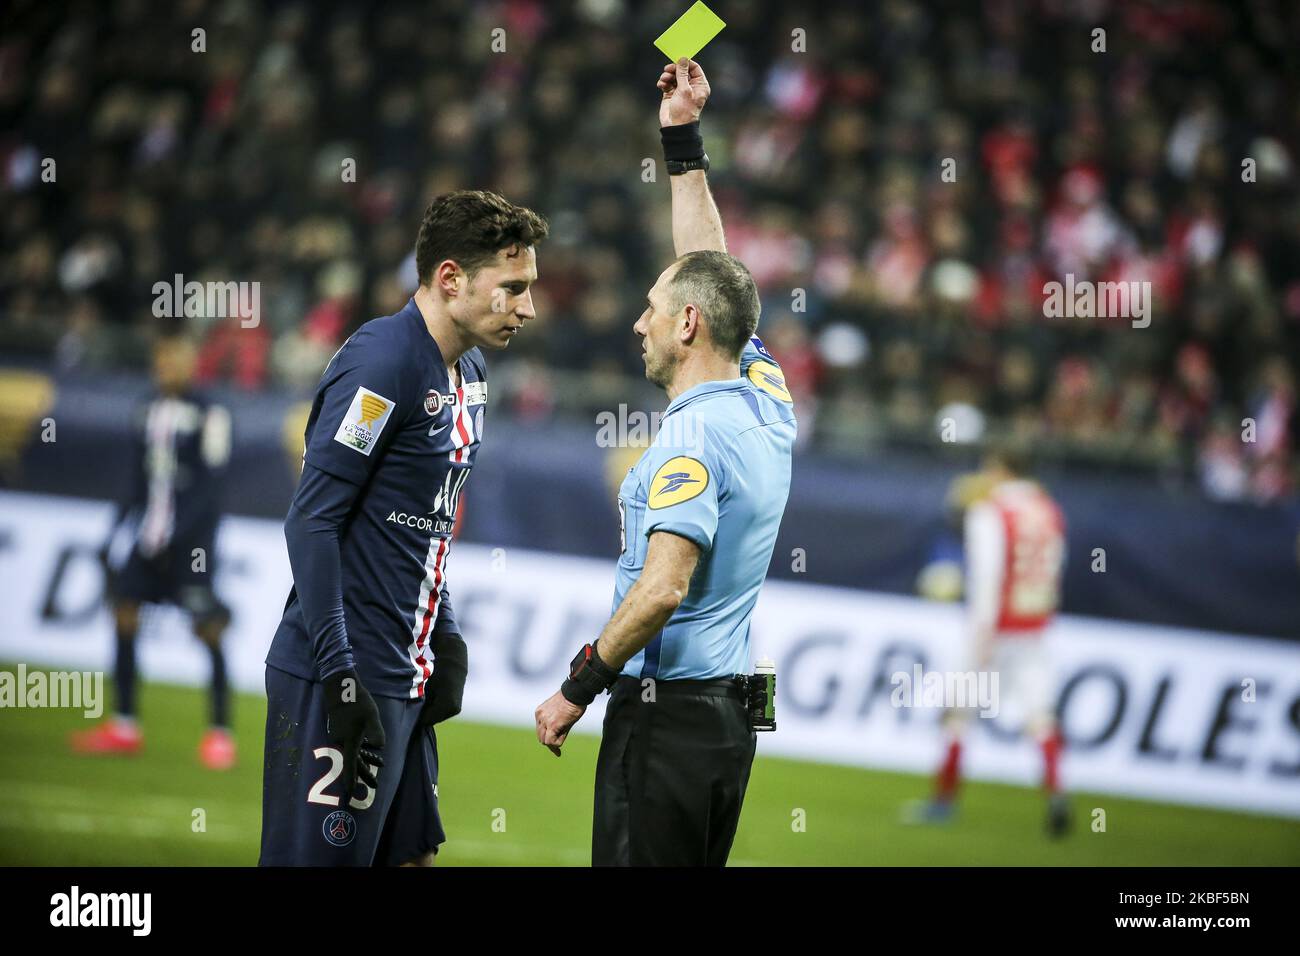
[{"x": 1015, "y": 553}]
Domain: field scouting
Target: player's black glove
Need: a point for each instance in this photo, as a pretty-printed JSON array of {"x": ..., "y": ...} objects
[
  {"x": 352, "y": 721},
  {"x": 446, "y": 687}
]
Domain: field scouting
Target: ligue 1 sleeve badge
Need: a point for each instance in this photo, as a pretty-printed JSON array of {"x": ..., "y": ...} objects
[
  {"x": 340, "y": 828},
  {"x": 433, "y": 401}
]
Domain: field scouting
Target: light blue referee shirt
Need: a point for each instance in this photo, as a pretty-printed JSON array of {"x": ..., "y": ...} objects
[{"x": 718, "y": 473}]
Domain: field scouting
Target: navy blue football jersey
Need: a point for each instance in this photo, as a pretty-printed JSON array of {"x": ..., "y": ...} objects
[
  {"x": 179, "y": 456},
  {"x": 387, "y": 418}
]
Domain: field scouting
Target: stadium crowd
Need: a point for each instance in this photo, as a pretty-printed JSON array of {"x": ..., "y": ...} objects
[{"x": 901, "y": 178}]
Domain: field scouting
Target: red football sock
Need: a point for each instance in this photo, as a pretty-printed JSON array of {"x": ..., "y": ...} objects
[
  {"x": 1051, "y": 762},
  {"x": 949, "y": 772}
]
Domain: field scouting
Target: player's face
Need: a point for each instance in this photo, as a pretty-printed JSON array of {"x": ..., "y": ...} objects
[
  {"x": 657, "y": 328},
  {"x": 173, "y": 365},
  {"x": 499, "y": 301}
]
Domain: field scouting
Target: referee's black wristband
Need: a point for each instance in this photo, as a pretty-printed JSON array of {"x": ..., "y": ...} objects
[
  {"x": 682, "y": 143},
  {"x": 589, "y": 676}
]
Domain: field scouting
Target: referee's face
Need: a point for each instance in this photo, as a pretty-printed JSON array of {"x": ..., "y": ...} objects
[
  {"x": 498, "y": 300},
  {"x": 656, "y": 328}
]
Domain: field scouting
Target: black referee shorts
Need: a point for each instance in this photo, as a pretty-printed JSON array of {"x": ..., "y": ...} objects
[{"x": 671, "y": 774}]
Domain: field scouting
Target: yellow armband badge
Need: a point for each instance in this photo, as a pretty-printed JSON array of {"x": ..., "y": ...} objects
[
  {"x": 770, "y": 379},
  {"x": 678, "y": 479}
]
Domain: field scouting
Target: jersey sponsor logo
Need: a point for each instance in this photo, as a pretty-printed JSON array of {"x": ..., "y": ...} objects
[
  {"x": 365, "y": 420},
  {"x": 448, "y": 496},
  {"x": 770, "y": 379},
  {"x": 678, "y": 479},
  {"x": 475, "y": 393},
  {"x": 421, "y": 522},
  {"x": 434, "y": 400},
  {"x": 340, "y": 828}
]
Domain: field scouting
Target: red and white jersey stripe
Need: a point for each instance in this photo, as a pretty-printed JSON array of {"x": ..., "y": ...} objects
[
  {"x": 426, "y": 610},
  {"x": 159, "y": 518}
]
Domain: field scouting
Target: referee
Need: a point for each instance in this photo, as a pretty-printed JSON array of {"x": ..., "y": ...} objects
[{"x": 699, "y": 514}]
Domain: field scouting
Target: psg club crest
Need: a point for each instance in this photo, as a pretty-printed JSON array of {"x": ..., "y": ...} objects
[
  {"x": 433, "y": 402},
  {"x": 340, "y": 828}
]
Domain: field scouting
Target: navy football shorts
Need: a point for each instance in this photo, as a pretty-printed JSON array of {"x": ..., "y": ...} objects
[
  {"x": 303, "y": 820},
  {"x": 169, "y": 579}
]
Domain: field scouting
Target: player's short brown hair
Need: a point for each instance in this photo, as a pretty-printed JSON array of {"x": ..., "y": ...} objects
[
  {"x": 722, "y": 289},
  {"x": 470, "y": 226}
]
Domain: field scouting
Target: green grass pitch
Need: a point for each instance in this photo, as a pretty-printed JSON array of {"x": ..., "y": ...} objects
[{"x": 507, "y": 801}]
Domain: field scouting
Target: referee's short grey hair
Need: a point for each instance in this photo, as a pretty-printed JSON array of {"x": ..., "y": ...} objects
[{"x": 722, "y": 289}]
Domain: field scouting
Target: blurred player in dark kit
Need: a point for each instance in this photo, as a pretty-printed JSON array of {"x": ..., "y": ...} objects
[{"x": 166, "y": 527}]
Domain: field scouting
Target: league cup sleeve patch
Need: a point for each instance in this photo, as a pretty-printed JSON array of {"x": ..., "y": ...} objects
[
  {"x": 678, "y": 479},
  {"x": 365, "y": 420},
  {"x": 770, "y": 379}
]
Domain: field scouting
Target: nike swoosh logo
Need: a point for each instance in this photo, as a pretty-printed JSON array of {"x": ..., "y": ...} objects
[{"x": 434, "y": 429}]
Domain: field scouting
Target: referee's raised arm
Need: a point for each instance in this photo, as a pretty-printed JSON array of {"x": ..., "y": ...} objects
[{"x": 696, "y": 223}]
